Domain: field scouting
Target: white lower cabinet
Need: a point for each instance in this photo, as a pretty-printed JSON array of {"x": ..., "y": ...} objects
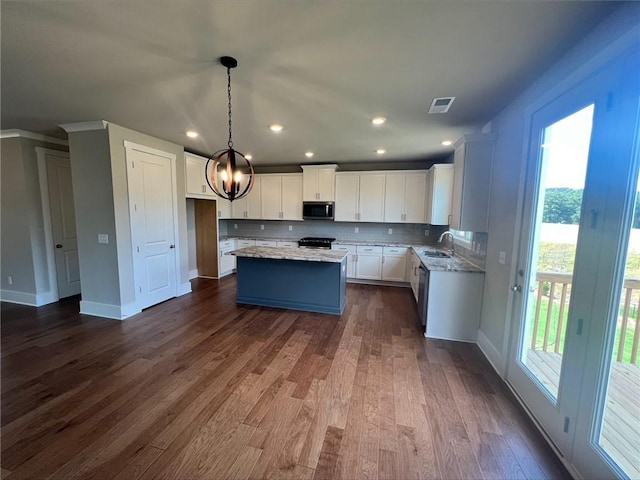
[
  {"x": 369, "y": 263},
  {"x": 352, "y": 257},
  {"x": 412, "y": 273},
  {"x": 454, "y": 301},
  {"x": 394, "y": 264},
  {"x": 227, "y": 263}
]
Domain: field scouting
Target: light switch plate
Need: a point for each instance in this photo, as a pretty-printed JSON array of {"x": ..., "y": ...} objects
[
  {"x": 261, "y": 227},
  {"x": 390, "y": 231},
  {"x": 103, "y": 238},
  {"x": 356, "y": 230},
  {"x": 290, "y": 227}
]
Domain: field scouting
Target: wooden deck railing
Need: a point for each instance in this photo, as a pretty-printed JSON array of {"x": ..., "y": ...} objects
[{"x": 556, "y": 287}]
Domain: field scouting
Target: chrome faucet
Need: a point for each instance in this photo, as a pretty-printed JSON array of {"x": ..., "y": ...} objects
[{"x": 448, "y": 232}]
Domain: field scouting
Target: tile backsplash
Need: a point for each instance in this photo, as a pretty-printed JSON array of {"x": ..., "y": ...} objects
[{"x": 413, "y": 234}]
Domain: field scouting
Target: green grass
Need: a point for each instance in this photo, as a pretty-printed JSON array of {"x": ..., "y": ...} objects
[{"x": 555, "y": 313}]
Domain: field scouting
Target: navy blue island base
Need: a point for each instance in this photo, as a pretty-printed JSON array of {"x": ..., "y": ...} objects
[{"x": 293, "y": 284}]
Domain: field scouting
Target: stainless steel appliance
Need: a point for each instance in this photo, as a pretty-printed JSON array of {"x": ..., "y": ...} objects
[
  {"x": 318, "y": 210},
  {"x": 316, "y": 242},
  {"x": 423, "y": 295}
]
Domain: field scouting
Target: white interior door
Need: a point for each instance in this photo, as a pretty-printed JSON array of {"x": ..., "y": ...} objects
[
  {"x": 63, "y": 224},
  {"x": 151, "y": 182}
]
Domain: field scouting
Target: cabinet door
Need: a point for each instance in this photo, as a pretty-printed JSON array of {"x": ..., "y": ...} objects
[
  {"x": 458, "y": 186},
  {"x": 394, "y": 195},
  {"x": 253, "y": 200},
  {"x": 292, "y": 197},
  {"x": 346, "y": 207},
  {"x": 371, "y": 199},
  {"x": 440, "y": 182},
  {"x": 271, "y": 193},
  {"x": 310, "y": 184},
  {"x": 369, "y": 266},
  {"x": 227, "y": 262},
  {"x": 196, "y": 184},
  {"x": 394, "y": 268},
  {"x": 239, "y": 208},
  {"x": 266, "y": 243},
  {"x": 326, "y": 184},
  {"x": 224, "y": 208},
  {"x": 415, "y": 193},
  {"x": 280, "y": 243}
]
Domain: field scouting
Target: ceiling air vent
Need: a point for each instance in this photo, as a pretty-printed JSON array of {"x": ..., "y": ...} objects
[{"x": 441, "y": 105}]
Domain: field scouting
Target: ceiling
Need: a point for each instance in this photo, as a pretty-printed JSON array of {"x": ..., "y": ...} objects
[{"x": 323, "y": 69}]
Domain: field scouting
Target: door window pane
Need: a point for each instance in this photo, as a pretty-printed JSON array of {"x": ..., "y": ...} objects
[{"x": 564, "y": 155}]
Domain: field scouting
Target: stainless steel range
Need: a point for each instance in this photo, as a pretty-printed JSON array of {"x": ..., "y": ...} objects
[{"x": 316, "y": 242}]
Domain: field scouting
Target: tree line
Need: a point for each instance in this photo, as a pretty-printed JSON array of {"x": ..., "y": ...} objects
[{"x": 562, "y": 205}]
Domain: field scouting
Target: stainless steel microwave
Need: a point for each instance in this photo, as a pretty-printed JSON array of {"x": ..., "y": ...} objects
[{"x": 318, "y": 210}]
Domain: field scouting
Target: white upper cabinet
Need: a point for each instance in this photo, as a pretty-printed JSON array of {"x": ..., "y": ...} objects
[
  {"x": 371, "y": 197},
  {"x": 360, "y": 197},
  {"x": 346, "y": 208},
  {"x": 281, "y": 197},
  {"x": 224, "y": 208},
  {"x": 196, "y": 184},
  {"x": 472, "y": 160},
  {"x": 248, "y": 207},
  {"x": 439, "y": 194},
  {"x": 319, "y": 183},
  {"x": 404, "y": 198}
]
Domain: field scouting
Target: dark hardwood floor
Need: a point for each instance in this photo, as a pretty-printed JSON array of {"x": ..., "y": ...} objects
[{"x": 198, "y": 387}]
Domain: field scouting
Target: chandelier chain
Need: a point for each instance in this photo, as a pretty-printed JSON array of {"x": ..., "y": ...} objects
[{"x": 230, "y": 142}]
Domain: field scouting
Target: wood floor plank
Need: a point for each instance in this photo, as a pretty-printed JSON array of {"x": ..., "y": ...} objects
[{"x": 200, "y": 387}]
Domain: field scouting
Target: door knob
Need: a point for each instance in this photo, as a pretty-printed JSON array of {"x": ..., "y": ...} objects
[
  {"x": 516, "y": 288},
  {"x": 172, "y": 246},
  {"x": 58, "y": 246}
]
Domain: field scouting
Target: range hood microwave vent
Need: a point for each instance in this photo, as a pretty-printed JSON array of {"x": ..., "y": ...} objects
[{"x": 441, "y": 104}]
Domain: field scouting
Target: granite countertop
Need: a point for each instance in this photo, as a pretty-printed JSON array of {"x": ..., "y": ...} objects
[
  {"x": 291, "y": 253},
  {"x": 445, "y": 264}
]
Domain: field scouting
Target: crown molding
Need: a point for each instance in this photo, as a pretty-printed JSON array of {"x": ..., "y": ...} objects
[
  {"x": 84, "y": 126},
  {"x": 13, "y": 133}
]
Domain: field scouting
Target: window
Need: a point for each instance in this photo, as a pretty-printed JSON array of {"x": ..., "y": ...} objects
[{"x": 462, "y": 238}]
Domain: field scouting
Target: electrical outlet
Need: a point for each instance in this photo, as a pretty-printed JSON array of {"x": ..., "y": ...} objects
[
  {"x": 103, "y": 238},
  {"x": 261, "y": 227},
  {"x": 356, "y": 230},
  {"x": 390, "y": 231},
  {"x": 426, "y": 233},
  {"x": 10, "y": 280},
  {"x": 235, "y": 226},
  {"x": 290, "y": 227},
  {"x": 502, "y": 258}
]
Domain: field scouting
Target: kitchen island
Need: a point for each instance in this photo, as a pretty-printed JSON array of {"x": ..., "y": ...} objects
[{"x": 312, "y": 280}]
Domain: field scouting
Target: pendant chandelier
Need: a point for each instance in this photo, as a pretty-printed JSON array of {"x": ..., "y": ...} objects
[{"x": 231, "y": 175}]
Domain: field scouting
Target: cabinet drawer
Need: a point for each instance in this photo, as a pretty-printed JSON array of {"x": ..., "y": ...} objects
[
  {"x": 369, "y": 249},
  {"x": 266, "y": 243},
  {"x": 226, "y": 244},
  {"x": 287, "y": 244},
  {"x": 245, "y": 243},
  {"x": 344, "y": 248},
  {"x": 395, "y": 251}
]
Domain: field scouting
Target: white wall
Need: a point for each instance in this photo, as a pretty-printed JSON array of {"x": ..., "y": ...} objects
[{"x": 606, "y": 41}]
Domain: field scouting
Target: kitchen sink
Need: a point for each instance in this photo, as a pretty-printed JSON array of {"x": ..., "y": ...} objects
[{"x": 428, "y": 253}]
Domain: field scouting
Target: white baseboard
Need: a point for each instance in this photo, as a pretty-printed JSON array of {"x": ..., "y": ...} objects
[
  {"x": 30, "y": 299},
  {"x": 184, "y": 289},
  {"x": 491, "y": 353},
  {"x": 104, "y": 310},
  {"x": 193, "y": 274}
]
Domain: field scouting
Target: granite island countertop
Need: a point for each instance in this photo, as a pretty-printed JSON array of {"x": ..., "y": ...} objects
[{"x": 291, "y": 253}]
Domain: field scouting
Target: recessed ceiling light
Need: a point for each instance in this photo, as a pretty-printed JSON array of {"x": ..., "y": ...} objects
[
  {"x": 308, "y": 154},
  {"x": 276, "y": 128},
  {"x": 192, "y": 134},
  {"x": 378, "y": 120},
  {"x": 248, "y": 156},
  {"x": 446, "y": 143},
  {"x": 381, "y": 151}
]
